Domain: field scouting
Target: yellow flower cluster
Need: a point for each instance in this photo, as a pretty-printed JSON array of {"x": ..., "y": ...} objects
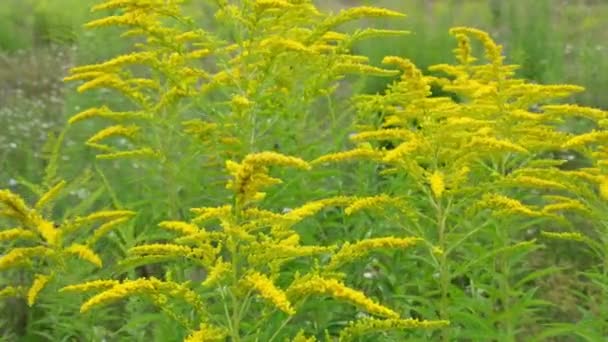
[
  {"x": 45, "y": 252},
  {"x": 370, "y": 325},
  {"x": 273, "y": 36},
  {"x": 207, "y": 333},
  {"x": 112, "y": 291},
  {"x": 267, "y": 290},
  {"x": 336, "y": 289},
  {"x": 349, "y": 252},
  {"x": 39, "y": 282},
  {"x": 251, "y": 175}
]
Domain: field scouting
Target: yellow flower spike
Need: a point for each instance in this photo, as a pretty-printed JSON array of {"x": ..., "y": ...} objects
[
  {"x": 600, "y": 137},
  {"x": 15, "y": 234},
  {"x": 301, "y": 337},
  {"x": 371, "y": 325},
  {"x": 568, "y": 204},
  {"x": 143, "y": 286},
  {"x": 183, "y": 228},
  {"x": 50, "y": 195},
  {"x": 94, "y": 285},
  {"x": 355, "y": 13},
  {"x": 219, "y": 270},
  {"x": 12, "y": 291},
  {"x": 362, "y": 153},
  {"x": 267, "y": 290},
  {"x": 276, "y": 44},
  {"x": 493, "y": 144},
  {"x": 120, "y": 291},
  {"x": 464, "y": 52},
  {"x": 604, "y": 188},
  {"x": 105, "y": 112},
  {"x": 115, "y": 4},
  {"x": 39, "y": 283},
  {"x": 203, "y": 254},
  {"x": 575, "y": 110},
  {"x": 535, "y": 182},
  {"x": 111, "y": 131},
  {"x": 139, "y": 153},
  {"x": 493, "y": 50},
  {"x": 507, "y": 205},
  {"x": 84, "y": 75},
  {"x": 363, "y": 69},
  {"x": 351, "y": 251},
  {"x": 339, "y": 291},
  {"x": 262, "y": 5},
  {"x": 207, "y": 333},
  {"x": 403, "y": 150},
  {"x": 261, "y": 254},
  {"x": 267, "y": 216},
  {"x": 334, "y": 36},
  {"x": 103, "y": 80},
  {"x": 251, "y": 175},
  {"x": 272, "y": 158},
  {"x": 85, "y": 253},
  {"x": 161, "y": 249},
  {"x": 135, "y": 18},
  {"x": 18, "y": 256},
  {"x": 313, "y": 207},
  {"x": 106, "y": 215},
  {"x": 110, "y": 65},
  {"x": 188, "y": 36},
  {"x": 384, "y": 134},
  {"x": 240, "y": 103},
  {"x": 105, "y": 229},
  {"x": 45, "y": 228},
  {"x": 437, "y": 184},
  {"x": 209, "y": 213},
  {"x": 370, "y": 202},
  {"x": 14, "y": 203},
  {"x": 374, "y": 33},
  {"x": 572, "y": 236}
]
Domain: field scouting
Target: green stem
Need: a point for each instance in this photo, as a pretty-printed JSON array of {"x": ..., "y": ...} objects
[
  {"x": 444, "y": 272},
  {"x": 502, "y": 268}
]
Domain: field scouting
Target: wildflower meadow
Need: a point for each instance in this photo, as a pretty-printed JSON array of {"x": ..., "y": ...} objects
[{"x": 298, "y": 170}]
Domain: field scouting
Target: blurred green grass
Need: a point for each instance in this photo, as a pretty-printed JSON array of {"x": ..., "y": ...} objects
[{"x": 553, "y": 41}]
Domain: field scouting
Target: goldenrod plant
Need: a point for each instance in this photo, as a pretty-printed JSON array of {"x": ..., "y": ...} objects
[
  {"x": 230, "y": 92},
  {"x": 450, "y": 159},
  {"x": 250, "y": 292},
  {"x": 38, "y": 251},
  {"x": 225, "y": 138}
]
